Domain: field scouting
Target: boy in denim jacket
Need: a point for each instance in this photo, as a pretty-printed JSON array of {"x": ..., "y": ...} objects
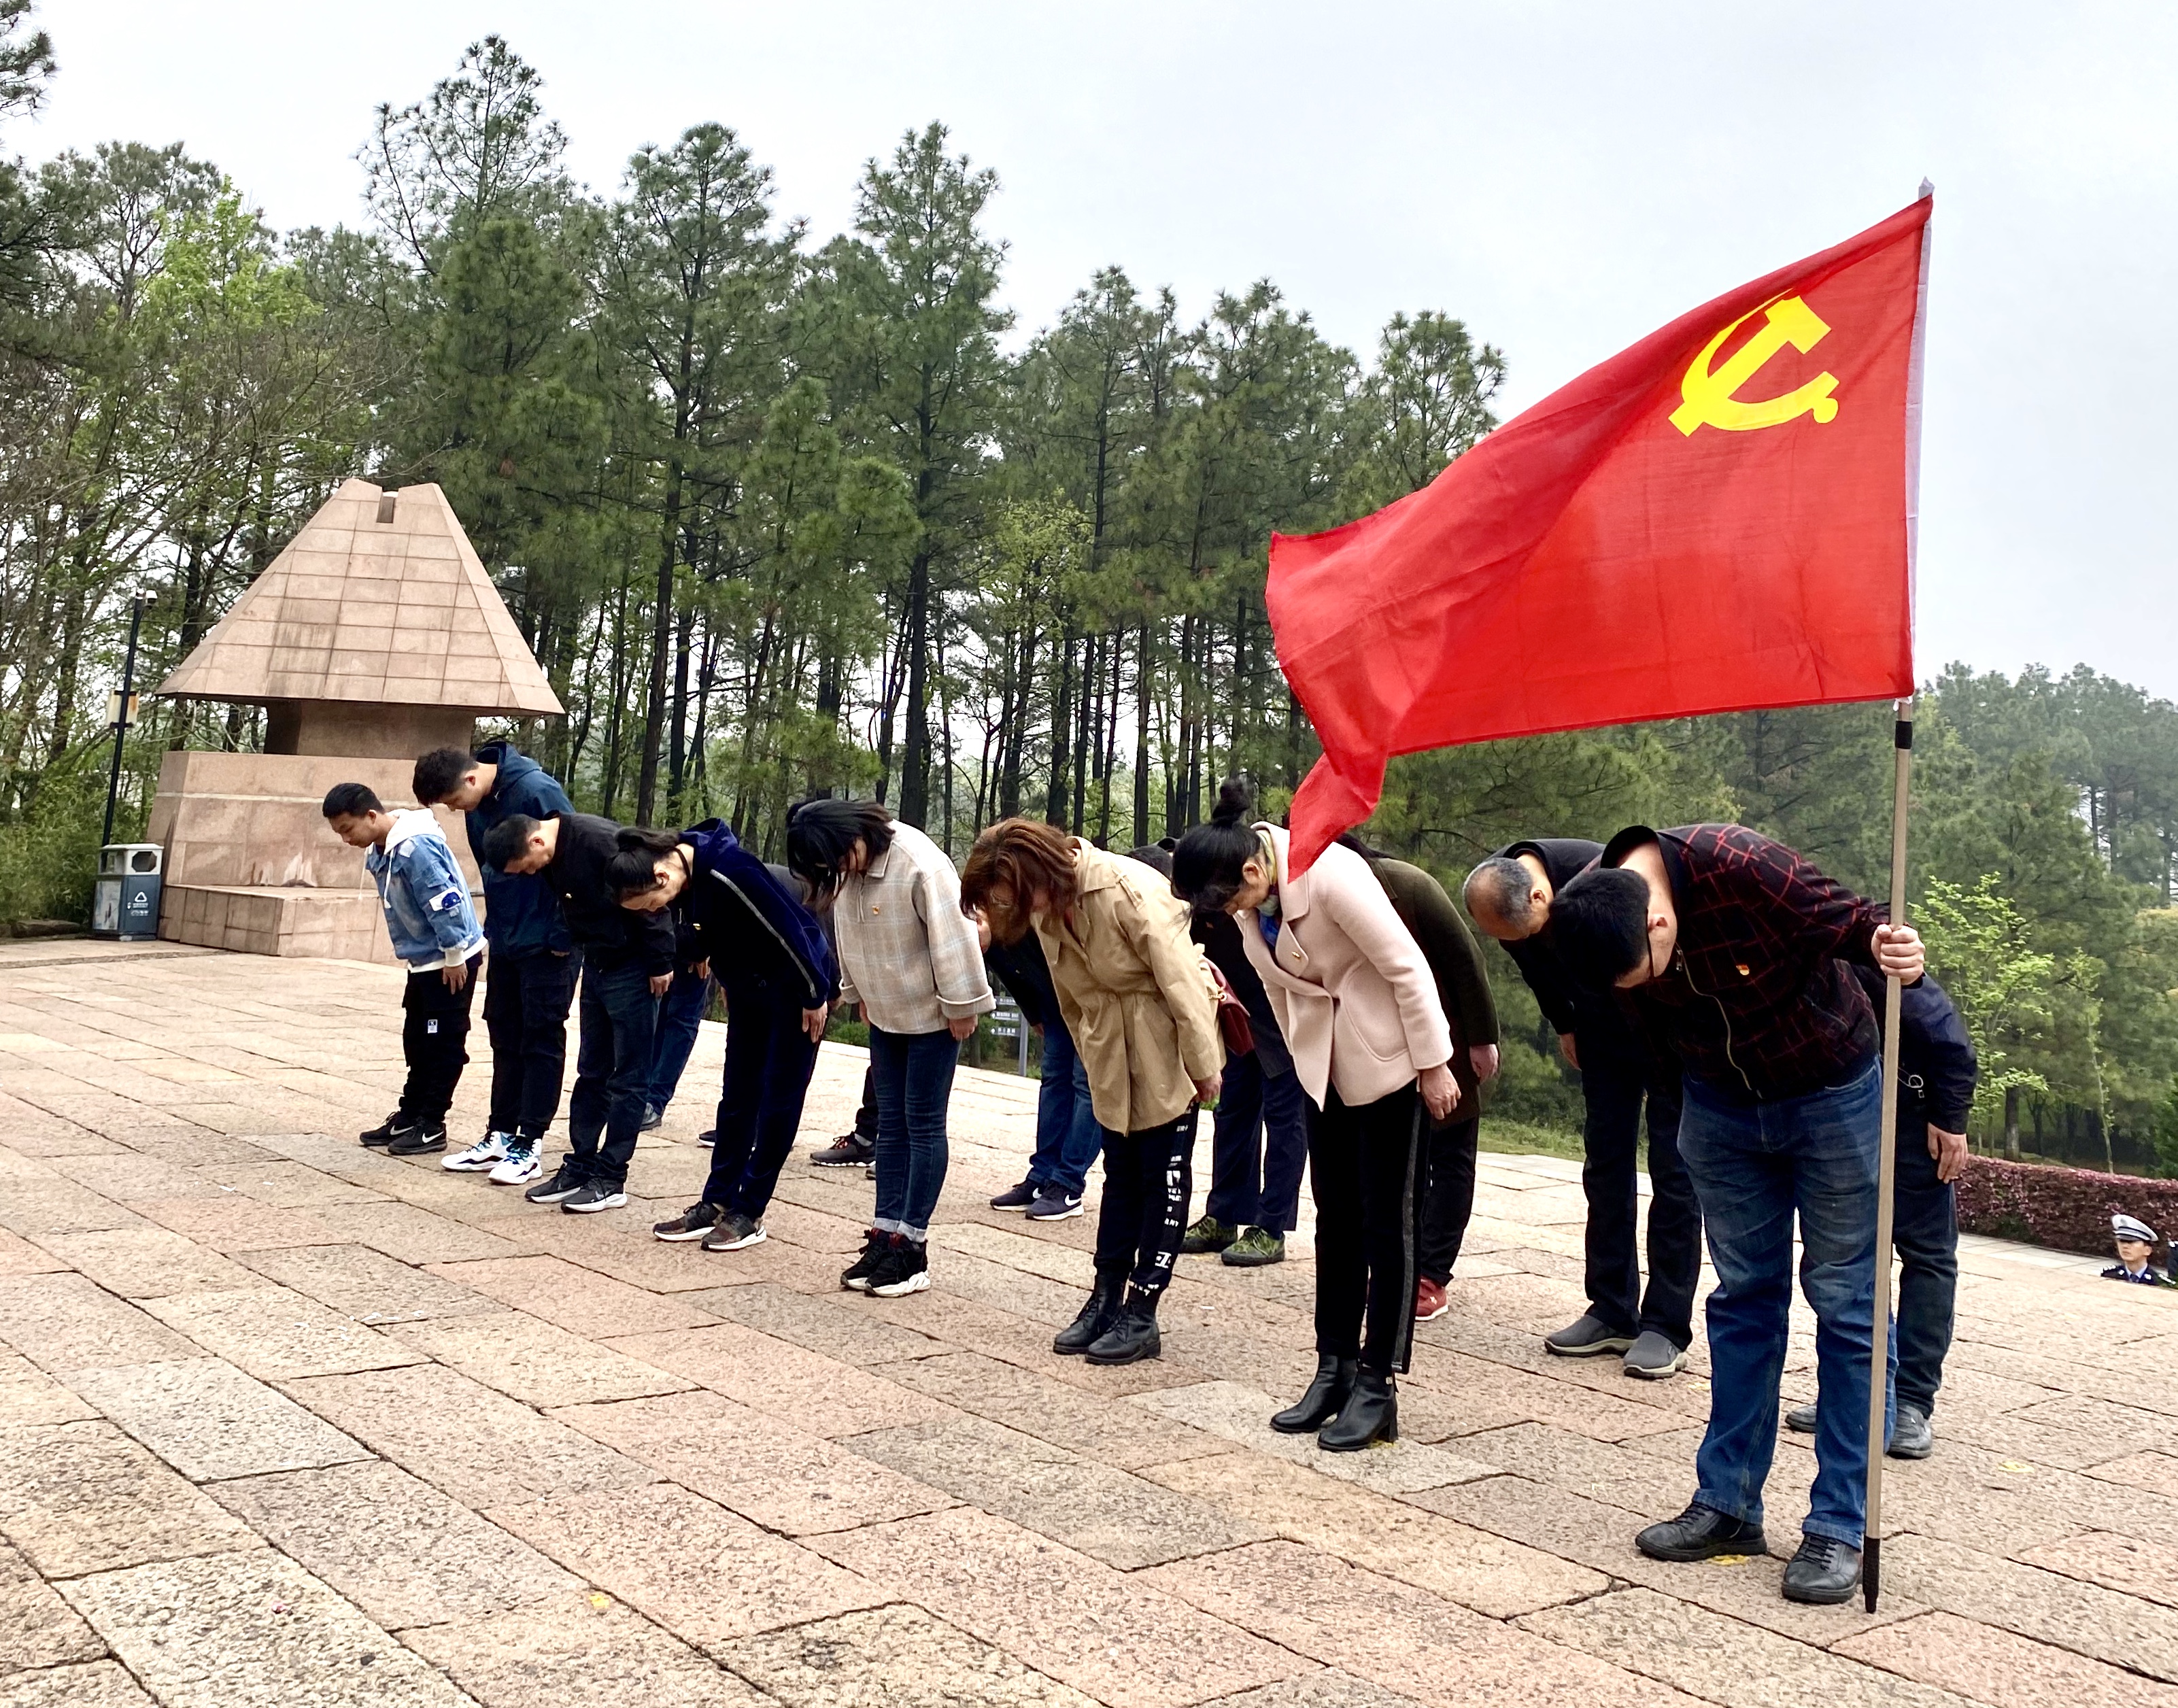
[{"x": 435, "y": 933}]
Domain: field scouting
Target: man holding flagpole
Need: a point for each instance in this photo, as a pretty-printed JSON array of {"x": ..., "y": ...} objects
[{"x": 1735, "y": 948}]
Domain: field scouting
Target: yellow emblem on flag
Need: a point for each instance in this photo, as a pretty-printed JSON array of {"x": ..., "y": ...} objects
[{"x": 1707, "y": 395}]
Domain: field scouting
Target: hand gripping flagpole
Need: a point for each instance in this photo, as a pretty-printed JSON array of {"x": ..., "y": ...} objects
[{"x": 1886, "y": 1181}]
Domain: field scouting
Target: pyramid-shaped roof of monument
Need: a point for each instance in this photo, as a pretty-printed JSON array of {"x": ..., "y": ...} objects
[{"x": 380, "y": 599}]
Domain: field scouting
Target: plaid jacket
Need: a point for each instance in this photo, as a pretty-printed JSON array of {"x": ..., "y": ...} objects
[
  {"x": 907, "y": 953},
  {"x": 1756, "y": 1002}
]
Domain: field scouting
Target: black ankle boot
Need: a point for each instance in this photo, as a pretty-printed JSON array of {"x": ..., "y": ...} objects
[
  {"x": 1133, "y": 1335},
  {"x": 1096, "y": 1316},
  {"x": 1371, "y": 1413},
  {"x": 1334, "y": 1382}
]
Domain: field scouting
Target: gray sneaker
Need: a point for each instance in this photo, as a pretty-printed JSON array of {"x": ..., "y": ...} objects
[
  {"x": 1052, "y": 1205},
  {"x": 735, "y": 1232},
  {"x": 653, "y": 1118},
  {"x": 595, "y": 1196},
  {"x": 1801, "y": 1420},
  {"x": 1911, "y": 1437},
  {"x": 1653, "y": 1357},
  {"x": 1589, "y": 1338}
]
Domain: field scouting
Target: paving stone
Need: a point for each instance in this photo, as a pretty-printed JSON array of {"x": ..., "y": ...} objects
[
  {"x": 78, "y": 1497},
  {"x": 1721, "y": 1659},
  {"x": 1242, "y": 1414},
  {"x": 2116, "y": 1562},
  {"x": 57, "y": 1206},
  {"x": 1389, "y": 1633},
  {"x": 233, "y": 1223},
  {"x": 1099, "y": 1509},
  {"x": 37, "y": 1629},
  {"x": 1997, "y": 1668},
  {"x": 812, "y": 1391},
  {"x": 275, "y": 1332},
  {"x": 368, "y": 1285},
  {"x": 28, "y": 1395},
  {"x": 1108, "y": 1430},
  {"x": 770, "y": 1474},
  {"x": 628, "y": 1253},
  {"x": 65, "y": 1322},
  {"x": 579, "y": 1300},
  {"x": 1113, "y": 1635},
  {"x": 2154, "y": 1471},
  {"x": 103, "y": 1685},
  {"x": 285, "y": 1185},
  {"x": 696, "y": 1568},
  {"x": 531, "y": 1360},
  {"x": 460, "y": 1436},
  {"x": 411, "y": 1235},
  {"x": 21, "y": 1256},
  {"x": 147, "y": 1263},
  {"x": 583, "y": 1650},
  {"x": 208, "y": 1420},
  {"x": 1011, "y": 1338},
  {"x": 890, "y": 1657},
  {"x": 1387, "y": 1536},
  {"x": 251, "y": 1630},
  {"x": 138, "y": 1178},
  {"x": 1602, "y": 1470},
  {"x": 394, "y": 1546},
  {"x": 1328, "y": 1688},
  {"x": 2104, "y": 1624},
  {"x": 836, "y": 1324}
]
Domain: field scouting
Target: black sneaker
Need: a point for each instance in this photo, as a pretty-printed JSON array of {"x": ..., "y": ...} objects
[
  {"x": 394, "y": 1126},
  {"x": 848, "y": 1150},
  {"x": 691, "y": 1224},
  {"x": 1911, "y": 1437},
  {"x": 557, "y": 1188},
  {"x": 904, "y": 1269},
  {"x": 735, "y": 1233},
  {"x": 1801, "y": 1420},
  {"x": 855, "y": 1278},
  {"x": 1053, "y": 1205},
  {"x": 1587, "y": 1337},
  {"x": 418, "y": 1140},
  {"x": 595, "y": 1196},
  {"x": 1823, "y": 1572},
  {"x": 708, "y": 1137},
  {"x": 1016, "y": 1198},
  {"x": 1700, "y": 1533},
  {"x": 652, "y": 1119}
]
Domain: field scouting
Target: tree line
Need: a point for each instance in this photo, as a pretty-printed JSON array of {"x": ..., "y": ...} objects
[{"x": 780, "y": 512}]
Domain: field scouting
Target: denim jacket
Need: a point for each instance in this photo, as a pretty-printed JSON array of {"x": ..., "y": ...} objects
[{"x": 428, "y": 912}]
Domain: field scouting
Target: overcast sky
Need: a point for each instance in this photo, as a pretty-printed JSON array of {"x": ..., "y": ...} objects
[{"x": 1564, "y": 176}]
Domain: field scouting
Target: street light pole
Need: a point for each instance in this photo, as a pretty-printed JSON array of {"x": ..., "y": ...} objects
[{"x": 122, "y": 718}]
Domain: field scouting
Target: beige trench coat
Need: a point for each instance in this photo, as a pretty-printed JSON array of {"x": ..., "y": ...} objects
[{"x": 1134, "y": 990}]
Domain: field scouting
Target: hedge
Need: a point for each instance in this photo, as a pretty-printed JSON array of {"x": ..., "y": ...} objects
[{"x": 2066, "y": 1209}]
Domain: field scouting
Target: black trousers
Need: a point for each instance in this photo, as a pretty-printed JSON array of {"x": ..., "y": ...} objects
[
  {"x": 1613, "y": 1090},
  {"x": 526, "y": 999},
  {"x": 1365, "y": 1167},
  {"x": 612, "y": 1071},
  {"x": 1449, "y": 1154},
  {"x": 1926, "y": 1230},
  {"x": 1148, "y": 1179},
  {"x": 769, "y": 1058},
  {"x": 866, "y": 1114},
  {"x": 435, "y": 1035}
]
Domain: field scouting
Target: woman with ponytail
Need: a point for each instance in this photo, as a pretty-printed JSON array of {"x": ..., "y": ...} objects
[
  {"x": 1138, "y": 1001},
  {"x": 1360, "y": 1014}
]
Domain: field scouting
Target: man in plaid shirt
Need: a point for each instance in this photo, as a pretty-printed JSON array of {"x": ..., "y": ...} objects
[{"x": 1733, "y": 949}]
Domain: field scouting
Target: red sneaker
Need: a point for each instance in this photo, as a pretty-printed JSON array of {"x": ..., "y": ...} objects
[{"x": 1429, "y": 1301}]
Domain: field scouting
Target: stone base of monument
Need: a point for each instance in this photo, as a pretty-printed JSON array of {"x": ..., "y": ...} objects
[{"x": 249, "y": 864}]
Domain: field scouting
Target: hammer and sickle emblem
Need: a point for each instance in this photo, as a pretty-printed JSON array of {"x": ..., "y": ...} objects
[{"x": 1708, "y": 395}]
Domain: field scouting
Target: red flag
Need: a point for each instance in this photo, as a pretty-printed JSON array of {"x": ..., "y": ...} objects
[{"x": 1716, "y": 519}]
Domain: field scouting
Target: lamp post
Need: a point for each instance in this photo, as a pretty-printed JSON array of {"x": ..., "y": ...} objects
[{"x": 124, "y": 714}]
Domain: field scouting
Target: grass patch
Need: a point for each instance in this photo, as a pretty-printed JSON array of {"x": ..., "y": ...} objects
[{"x": 1523, "y": 1139}]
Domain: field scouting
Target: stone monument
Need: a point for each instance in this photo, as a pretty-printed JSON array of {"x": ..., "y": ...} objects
[{"x": 375, "y": 636}]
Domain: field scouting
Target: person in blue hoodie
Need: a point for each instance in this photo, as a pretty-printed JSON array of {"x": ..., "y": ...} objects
[
  {"x": 534, "y": 963},
  {"x": 744, "y": 922},
  {"x": 434, "y": 929}
]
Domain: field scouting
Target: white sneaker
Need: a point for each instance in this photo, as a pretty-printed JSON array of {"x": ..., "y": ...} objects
[
  {"x": 490, "y": 1149},
  {"x": 518, "y": 1168}
]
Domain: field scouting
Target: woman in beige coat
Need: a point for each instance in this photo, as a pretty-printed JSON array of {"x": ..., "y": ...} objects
[
  {"x": 1137, "y": 998},
  {"x": 1361, "y": 1013}
]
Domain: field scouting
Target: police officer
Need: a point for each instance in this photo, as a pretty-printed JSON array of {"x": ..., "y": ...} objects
[{"x": 2137, "y": 1244}]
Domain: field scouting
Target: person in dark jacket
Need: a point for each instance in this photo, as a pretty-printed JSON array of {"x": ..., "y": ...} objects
[
  {"x": 627, "y": 966},
  {"x": 1737, "y": 953},
  {"x": 530, "y": 977},
  {"x": 1936, "y": 1074},
  {"x": 1068, "y": 1139},
  {"x": 1509, "y": 896},
  {"x": 745, "y": 926}
]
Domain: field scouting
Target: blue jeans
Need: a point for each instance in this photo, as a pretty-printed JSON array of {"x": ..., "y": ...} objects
[
  {"x": 913, "y": 1074},
  {"x": 612, "y": 1071},
  {"x": 1258, "y": 1147},
  {"x": 680, "y": 1018},
  {"x": 1753, "y": 1167},
  {"x": 1067, "y": 1136}
]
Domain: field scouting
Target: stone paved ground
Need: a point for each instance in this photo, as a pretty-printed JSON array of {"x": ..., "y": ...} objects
[{"x": 283, "y": 1421}]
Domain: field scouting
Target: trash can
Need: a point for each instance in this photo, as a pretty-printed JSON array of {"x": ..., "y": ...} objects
[{"x": 124, "y": 903}]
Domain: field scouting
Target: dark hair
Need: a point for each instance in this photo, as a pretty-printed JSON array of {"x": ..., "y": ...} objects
[
  {"x": 821, "y": 833},
  {"x": 1205, "y": 864},
  {"x": 438, "y": 771},
  {"x": 1155, "y": 856},
  {"x": 352, "y": 800},
  {"x": 1021, "y": 856},
  {"x": 1601, "y": 921},
  {"x": 505, "y": 840},
  {"x": 632, "y": 868}
]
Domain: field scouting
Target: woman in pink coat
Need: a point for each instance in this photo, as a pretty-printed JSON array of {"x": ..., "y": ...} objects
[{"x": 1359, "y": 1011}]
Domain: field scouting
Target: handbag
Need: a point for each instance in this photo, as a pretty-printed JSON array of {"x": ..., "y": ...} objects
[{"x": 1233, "y": 1021}]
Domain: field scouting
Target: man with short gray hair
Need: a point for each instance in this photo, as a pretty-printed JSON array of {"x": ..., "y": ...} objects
[{"x": 1509, "y": 895}]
